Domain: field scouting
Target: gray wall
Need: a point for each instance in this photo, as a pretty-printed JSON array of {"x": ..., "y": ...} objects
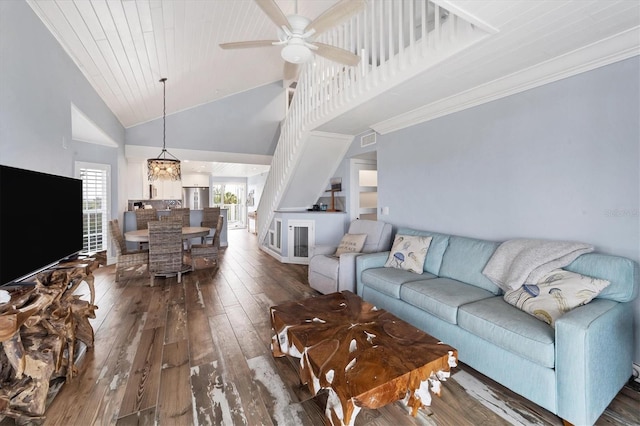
[
  {"x": 256, "y": 184},
  {"x": 560, "y": 162},
  {"x": 246, "y": 123},
  {"x": 38, "y": 83}
]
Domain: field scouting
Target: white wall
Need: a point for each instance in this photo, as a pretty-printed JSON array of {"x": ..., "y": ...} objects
[
  {"x": 38, "y": 83},
  {"x": 560, "y": 161}
]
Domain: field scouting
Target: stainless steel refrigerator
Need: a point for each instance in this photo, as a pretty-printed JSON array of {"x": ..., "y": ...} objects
[{"x": 195, "y": 197}]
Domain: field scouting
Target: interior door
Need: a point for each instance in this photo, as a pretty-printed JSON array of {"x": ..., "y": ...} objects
[{"x": 364, "y": 189}]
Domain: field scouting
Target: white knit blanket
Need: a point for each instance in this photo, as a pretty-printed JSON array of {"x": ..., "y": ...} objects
[{"x": 525, "y": 261}]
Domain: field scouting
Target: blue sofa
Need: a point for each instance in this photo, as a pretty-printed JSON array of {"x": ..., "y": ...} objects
[{"x": 573, "y": 370}]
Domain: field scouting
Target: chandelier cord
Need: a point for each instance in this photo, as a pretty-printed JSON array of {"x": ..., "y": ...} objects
[{"x": 164, "y": 114}]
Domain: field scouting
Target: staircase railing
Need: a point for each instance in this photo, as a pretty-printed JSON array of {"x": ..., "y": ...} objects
[{"x": 395, "y": 40}]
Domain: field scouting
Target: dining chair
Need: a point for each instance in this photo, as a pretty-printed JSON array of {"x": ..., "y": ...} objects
[
  {"x": 143, "y": 216},
  {"x": 126, "y": 260},
  {"x": 165, "y": 250},
  {"x": 184, "y": 213},
  {"x": 210, "y": 217},
  {"x": 208, "y": 252}
]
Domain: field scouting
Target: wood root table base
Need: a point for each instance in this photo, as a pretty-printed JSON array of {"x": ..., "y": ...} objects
[
  {"x": 363, "y": 356},
  {"x": 43, "y": 328}
]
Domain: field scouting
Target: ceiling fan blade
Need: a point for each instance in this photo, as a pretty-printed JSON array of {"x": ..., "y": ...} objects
[
  {"x": 248, "y": 44},
  {"x": 336, "y": 54},
  {"x": 336, "y": 14},
  {"x": 273, "y": 12},
  {"x": 290, "y": 70}
]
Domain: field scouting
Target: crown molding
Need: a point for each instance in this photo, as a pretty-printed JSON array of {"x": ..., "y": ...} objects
[{"x": 604, "y": 52}]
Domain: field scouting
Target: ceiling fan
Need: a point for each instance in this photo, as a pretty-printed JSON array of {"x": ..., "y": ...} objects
[{"x": 298, "y": 32}]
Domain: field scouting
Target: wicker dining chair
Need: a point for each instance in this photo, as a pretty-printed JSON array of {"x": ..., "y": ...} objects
[
  {"x": 184, "y": 213},
  {"x": 208, "y": 252},
  {"x": 210, "y": 217},
  {"x": 126, "y": 260},
  {"x": 144, "y": 216},
  {"x": 165, "y": 250}
]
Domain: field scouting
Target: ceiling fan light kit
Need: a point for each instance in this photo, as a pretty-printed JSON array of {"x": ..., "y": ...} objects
[
  {"x": 296, "y": 52},
  {"x": 296, "y": 32}
]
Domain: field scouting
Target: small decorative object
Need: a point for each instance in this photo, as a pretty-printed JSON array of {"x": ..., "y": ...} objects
[
  {"x": 163, "y": 167},
  {"x": 336, "y": 184}
]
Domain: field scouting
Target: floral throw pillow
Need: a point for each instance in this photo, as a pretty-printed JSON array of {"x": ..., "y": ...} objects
[
  {"x": 351, "y": 243},
  {"x": 555, "y": 294},
  {"x": 408, "y": 252}
]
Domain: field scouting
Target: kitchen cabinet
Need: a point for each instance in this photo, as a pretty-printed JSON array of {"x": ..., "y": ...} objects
[
  {"x": 195, "y": 179},
  {"x": 167, "y": 189}
]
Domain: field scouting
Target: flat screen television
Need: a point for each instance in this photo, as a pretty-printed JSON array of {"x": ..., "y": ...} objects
[{"x": 40, "y": 221}]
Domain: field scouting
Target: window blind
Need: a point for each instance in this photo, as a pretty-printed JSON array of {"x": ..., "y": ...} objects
[{"x": 95, "y": 203}]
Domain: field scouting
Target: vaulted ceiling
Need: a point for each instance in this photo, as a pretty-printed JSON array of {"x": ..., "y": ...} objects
[{"x": 125, "y": 46}]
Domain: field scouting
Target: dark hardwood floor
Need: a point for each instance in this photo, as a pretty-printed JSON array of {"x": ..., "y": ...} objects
[{"x": 199, "y": 353}]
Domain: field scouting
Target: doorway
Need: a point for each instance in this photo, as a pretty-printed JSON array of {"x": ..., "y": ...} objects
[
  {"x": 231, "y": 196},
  {"x": 364, "y": 187}
]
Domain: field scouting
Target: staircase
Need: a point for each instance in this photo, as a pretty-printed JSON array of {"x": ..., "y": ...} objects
[{"x": 396, "y": 41}]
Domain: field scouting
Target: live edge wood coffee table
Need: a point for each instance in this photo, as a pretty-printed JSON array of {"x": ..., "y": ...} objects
[{"x": 363, "y": 356}]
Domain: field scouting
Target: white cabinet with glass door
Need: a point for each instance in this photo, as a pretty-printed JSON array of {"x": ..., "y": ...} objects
[{"x": 301, "y": 237}]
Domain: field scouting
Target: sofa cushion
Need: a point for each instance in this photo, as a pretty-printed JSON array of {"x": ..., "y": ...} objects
[
  {"x": 439, "y": 243},
  {"x": 622, "y": 273},
  {"x": 507, "y": 327},
  {"x": 441, "y": 297},
  {"x": 408, "y": 252},
  {"x": 555, "y": 294},
  {"x": 464, "y": 260},
  {"x": 389, "y": 280}
]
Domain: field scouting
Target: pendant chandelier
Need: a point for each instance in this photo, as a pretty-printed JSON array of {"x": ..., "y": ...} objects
[{"x": 162, "y": 167}]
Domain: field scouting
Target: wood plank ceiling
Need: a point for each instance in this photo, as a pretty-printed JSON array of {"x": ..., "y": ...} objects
[{"x": 124, "y": 47}]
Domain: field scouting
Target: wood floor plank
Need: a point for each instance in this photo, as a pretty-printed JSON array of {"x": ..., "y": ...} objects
[
  {"x": 174, "y": 398},
  {"x": 225, "y": 294},
  {"x": 140, "y": 418},
  {"x": 142, "y": 387},
  {"x": 237, "y": 373},
  {"x": 192, "y": 292},
  {"x": 247, "y": 336},
  {"x": 176, "y": 290},
  {"x": 157, "y": 311},
  {"x": 211, "y": 300},
  {"x": 176, "y": 323},
  {"x": 208, "y": 393},
  {"x": 106, "y": 396},
  {"x": 200, "y": 340},
  {"x": 283, "y": 409},
  {"x": 104, "y": 368}
]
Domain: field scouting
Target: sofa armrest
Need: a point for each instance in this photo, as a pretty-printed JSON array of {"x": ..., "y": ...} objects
[
  {"x": 326, "y": 250},
  {"x": 347, "y": 272},
  {"x": 368, "y": 261},
  {"x": 594, "y": 351}
]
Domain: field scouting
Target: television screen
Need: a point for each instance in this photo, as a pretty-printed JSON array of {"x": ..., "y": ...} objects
[{"x": 40, "y": 221}]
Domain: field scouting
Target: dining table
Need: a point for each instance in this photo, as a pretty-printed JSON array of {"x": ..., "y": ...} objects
[{"x": 188, "y": 232}]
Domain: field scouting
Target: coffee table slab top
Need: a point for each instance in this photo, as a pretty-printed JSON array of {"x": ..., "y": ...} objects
[{"x": 364, "y": 356}]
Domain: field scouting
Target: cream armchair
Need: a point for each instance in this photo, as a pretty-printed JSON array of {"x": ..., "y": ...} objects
[{"x": 328, "y": 273}]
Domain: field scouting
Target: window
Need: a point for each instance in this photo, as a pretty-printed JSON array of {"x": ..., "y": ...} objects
[{"x": 95, "y": 204}]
